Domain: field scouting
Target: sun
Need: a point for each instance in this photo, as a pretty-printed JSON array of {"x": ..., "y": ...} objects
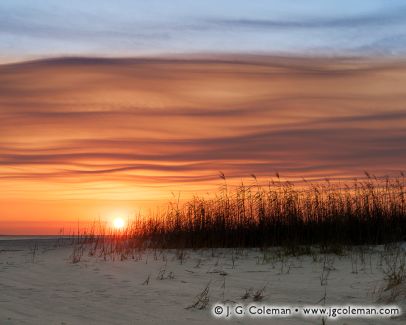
[{"x": 118, "y": 223}]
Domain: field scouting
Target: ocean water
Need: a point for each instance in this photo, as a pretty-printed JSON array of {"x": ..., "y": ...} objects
[
  {"x": 8, "y": 242},
  {"x": 30, "y": 237}
]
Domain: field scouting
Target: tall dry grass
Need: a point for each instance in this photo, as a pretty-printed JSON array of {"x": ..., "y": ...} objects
[
  {"x": 370, "y": 211},
  {"x": 329, "y": 214}
]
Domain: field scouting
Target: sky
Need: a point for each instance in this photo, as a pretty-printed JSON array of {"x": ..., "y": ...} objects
[
  {"x": 38, "y": 28},
  {"x": 112, "y": 109}
]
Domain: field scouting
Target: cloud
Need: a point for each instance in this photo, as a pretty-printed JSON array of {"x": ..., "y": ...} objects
[
  {"x": 175, "y": 122},
  {"x": 367, "y": 20}
]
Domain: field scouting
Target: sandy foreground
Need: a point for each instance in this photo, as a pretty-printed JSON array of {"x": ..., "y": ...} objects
[{"x": 43, "y": 286}]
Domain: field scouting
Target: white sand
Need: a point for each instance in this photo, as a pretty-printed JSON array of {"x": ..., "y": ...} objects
[{"x": 52, "y": 290}]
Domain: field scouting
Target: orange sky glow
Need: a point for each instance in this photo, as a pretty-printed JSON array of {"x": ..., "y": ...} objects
[{"x": 85, "y": 138}]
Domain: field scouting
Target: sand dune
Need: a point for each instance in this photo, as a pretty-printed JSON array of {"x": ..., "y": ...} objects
[{"x": 49, "y": 289}]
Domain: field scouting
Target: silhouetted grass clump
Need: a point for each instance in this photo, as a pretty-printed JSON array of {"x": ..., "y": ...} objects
[
  {"x": 328, "y": 214},
  {"x": 370, "y": 211}
]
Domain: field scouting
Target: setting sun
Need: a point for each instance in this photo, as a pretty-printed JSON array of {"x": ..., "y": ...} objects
[{"x": 118, "y": 223}]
